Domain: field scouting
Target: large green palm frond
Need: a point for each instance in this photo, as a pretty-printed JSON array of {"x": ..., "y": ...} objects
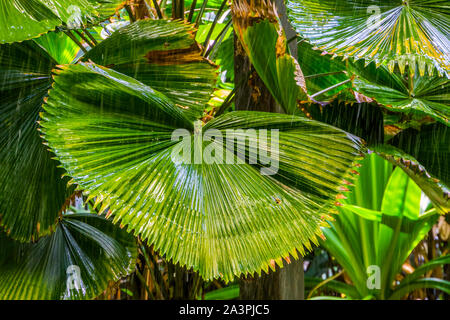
[
  {"x": 32, "y": 192},
  {"x": 107, "y": 8},
  {"x": 163, "y": 55},
  {"x": 418, "y": 95},
  {"x": 26, "y": 19},
  {"x": 113, "y": 136},
  {"x": 429, "y": 145},
  {"x": 413, "y": 32},
  {"x": 77, "y": 261},
  {"x": 59, "y": 46},
  {"x": 435, "y": 189},
  {"x": 329, "y": 82}
]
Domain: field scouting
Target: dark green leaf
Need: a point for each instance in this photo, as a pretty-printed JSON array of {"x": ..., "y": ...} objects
[
  {"x": 413, "y": 33},
  {"x": 32, "y": 192},
  {"x": 26, "y": 19},
  {"x": 164, "y": 56},
  {"x": 316, "y": 66},
  {"x": 437, "y": 191},
  {"x": 364, "y": 120},
  {"x": 422, "y": 95},
  {"x": 430, "y": 145},
  {"x": 47, "y": 270}
]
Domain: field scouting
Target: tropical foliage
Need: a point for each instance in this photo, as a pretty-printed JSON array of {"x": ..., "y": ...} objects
[
  {"x": 382, "y": 221},
  {"x": 91, "y": 93}
]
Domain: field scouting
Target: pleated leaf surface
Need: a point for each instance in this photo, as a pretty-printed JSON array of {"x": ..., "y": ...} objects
[
  {"x": 26, "y": 19},
  {"x": 397, "y": 32},
  {"x": 32, "y": 192},
  {"x": 264, "y": 42},
  {"x": 113, "y": 135},
  {"x": 77, "y": 261},
  {"x": 163, "y": 55}
]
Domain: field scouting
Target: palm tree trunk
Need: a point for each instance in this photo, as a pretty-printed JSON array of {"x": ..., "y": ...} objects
[
  {"x": 286, "y": 283},
  {"x": 139, "y": 9},
  {"x": 251, "y": 94}
]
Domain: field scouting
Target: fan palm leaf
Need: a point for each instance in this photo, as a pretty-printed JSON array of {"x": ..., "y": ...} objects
[
  {"x": 416, "y": 95},
  {"x": 264, "y": 42},
  {"x": 77, "y": 261},
  {"x": 163, "y": 55},
  {"x": 413, "y": 32},
  {"x": 32, "y": 192},
  {"x": 27, "y": 19},
  {"x": 113, "y": 135}
]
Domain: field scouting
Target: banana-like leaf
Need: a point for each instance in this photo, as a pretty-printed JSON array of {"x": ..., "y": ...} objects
[
  {"x": 264, "y": 42},
  {"x": 163, "y": 55},
  {"x": 114, "y": 137},
  {"x": 413, "y": 32},
  {"x": 32, "y": 192},
  {"x": 204, "y": 29},
  {"x": 423, "y": 95},
  {"x": 384, "y": 233},
  {"x": 225, "y": 58},
  {"x": 77, "y": 261},
  {"x": 402, "y": 226},
  {"x": 351, "y": 239},
  {"x": 26, "y": 19}
]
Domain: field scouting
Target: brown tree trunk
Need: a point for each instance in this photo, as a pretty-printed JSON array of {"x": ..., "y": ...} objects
[
  {"x": 139, "y": 9},
  {"x": 177, "y": 9},
  {"x": 286, "y": 283}
]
